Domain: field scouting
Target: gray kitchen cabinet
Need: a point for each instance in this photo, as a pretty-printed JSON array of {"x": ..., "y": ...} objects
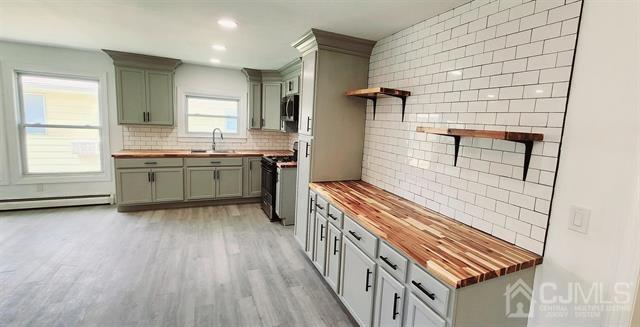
[
  {"x": 389, "y": 301},
  {"x": 304, "y": 202},
  {"x": 358, "y": 282},
  {"x": 300, "y": 229},
  {"x": 307, "y": 90},
  {"x": 271, "y": 105},
  {"x": 334, "y": 245},
  {"x": 255, "y": 105},
  {"x": 320, "y": 253},
  {"x": 144, "y": 88},
  {"x": 253, "y": 177},
  {"x": 132, "y": 95},
  {"x": 420, "y": 315},
  {"x": 159, "y": 97},
  {"x": 228, "y": 182},
  {"x": 286, "y": 195},
  {"x": 167, "y": 184},
  {"x": 134, "y": 186},
  {"x": 291, "y": 86},
  {"x": 200, "y": 183}
]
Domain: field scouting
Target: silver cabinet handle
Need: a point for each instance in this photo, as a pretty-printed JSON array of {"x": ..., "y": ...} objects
[{"x": 151, "y": 163}]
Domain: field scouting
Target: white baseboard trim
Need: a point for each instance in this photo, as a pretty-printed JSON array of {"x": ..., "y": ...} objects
[{"x": 57, "y": 202}]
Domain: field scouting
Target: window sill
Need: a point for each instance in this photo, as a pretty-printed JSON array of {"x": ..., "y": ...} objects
[{"x": 62, "y": 178}]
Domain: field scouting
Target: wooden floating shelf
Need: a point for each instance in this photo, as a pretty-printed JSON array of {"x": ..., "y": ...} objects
[
  {"x": 520, "y": 137},
  {"x": 374, "y": 92}
]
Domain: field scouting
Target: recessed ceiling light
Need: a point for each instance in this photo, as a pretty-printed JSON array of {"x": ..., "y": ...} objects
[
  {"x": 227, "y": 23},
  {"x": 214, "y": 60},
  {"x": 219, "y": 47}
]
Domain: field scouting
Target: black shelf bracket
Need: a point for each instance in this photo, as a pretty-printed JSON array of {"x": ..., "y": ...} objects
[
  {"x": 528, "y": 148},
  {"x": 375, "y": 101}
]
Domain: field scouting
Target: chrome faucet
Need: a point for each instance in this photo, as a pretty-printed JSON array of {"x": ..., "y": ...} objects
[{"x": 213, "y": 138}]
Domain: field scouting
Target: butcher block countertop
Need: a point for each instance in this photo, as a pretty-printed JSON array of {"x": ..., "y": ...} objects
[
  {"x": 189, "y": 154},
  {"x": 455, "y": 253}
]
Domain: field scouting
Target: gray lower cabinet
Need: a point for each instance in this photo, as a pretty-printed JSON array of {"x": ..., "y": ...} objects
[
  {"x": 134, "y": 186},
  {"x": 208, "y": 183},
  {"x": 141, "y": 186},
  {"x": 320, "y": 245},
  {"x": 200, "y": 183},
  {"x": 167, "y": 184},
  {"x": 253, "y": 177},
  {"x": 334, "y": 245},
  {"x": 420, "y": 315},
  {"x": 389, "y": 301},
  {"x": 228, "y": 182},
  {"x": 301, "y": 229},
  {"x": 358, "y": 282}
]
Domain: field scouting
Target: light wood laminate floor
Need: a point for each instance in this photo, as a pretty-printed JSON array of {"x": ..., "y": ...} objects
[{"x": 208, "y": 266}]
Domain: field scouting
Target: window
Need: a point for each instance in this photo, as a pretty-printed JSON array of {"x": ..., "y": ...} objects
[
  {"x": 204, "y": 114},
  {"x": 60, "y": 128}
]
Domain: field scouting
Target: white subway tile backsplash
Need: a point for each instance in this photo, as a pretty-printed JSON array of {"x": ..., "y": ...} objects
[{"x": 515, "y": 57}]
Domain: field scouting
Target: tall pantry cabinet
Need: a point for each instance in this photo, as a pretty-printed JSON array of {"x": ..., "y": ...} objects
[{"x": 331, "y": 125}]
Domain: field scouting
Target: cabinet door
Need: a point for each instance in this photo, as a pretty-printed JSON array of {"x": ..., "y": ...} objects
[
  {"x": 255, "y": 105},
  {"x": 168, "y": 184},
  {"x": 420, "y": 315},
  {"x": 300, "y": 228},
  {"x": 320, "y": 253},
  {"x": 200, "y": 183},
  {"x": 358, "y": 282},
  {"x": 271, "y": 106},
  {"x": 131, "y": 95},
  {"x": 293, "y": 85},
  {"x": 134, "y": 186},
  {"x": 307, "y": 93},
  {"x": 255, "y": 177},
  {"x": 389, "y": 301},
  {"x": 160, "y": 97},
  {"x": 334, "y": 245},
  {"x": 228, "y": 182}
]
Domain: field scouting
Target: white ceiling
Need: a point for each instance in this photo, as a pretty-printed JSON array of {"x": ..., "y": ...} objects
[{"x": 187, "y": 29}]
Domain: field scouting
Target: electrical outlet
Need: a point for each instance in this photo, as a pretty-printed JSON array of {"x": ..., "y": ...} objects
[{"x": 579, "y": 219}]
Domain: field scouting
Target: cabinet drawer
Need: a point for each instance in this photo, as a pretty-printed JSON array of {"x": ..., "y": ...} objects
[
  {"x": 393, "y": 262},
  {"x": 335, "y": 216},
  {"x": 148, "y": 162},
  {"x": 322, "y": 206},
  {"x": 202, "y": 162},
  {"x": 430, "y": 290},
  {"x": 366, "y": 241}
]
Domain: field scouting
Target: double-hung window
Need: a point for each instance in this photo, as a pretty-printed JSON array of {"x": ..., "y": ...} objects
[
  {"x": 205, "y": 113},
  {"x": 60, "y": 126}
]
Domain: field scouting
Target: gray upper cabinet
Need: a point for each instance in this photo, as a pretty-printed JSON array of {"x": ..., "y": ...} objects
[
  {"x": 255, "y": 105},
  {"x": 159, "y": 97},
  {"x": 358, "y": 282},
  {"x": 144, "y": 88},
  {"x": 307, "y": 90},
  {"x": 291, "y": 86},
  {"x": 271, "y": 106},
  {"x": 132, "y": 95}
]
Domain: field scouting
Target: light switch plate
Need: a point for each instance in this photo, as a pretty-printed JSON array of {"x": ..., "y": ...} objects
[{"x": 579, "y": 219}]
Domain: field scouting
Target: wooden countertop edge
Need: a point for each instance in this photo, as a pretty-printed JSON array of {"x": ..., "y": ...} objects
[
  {"x": 455, "y": 283},
  {"x": 133, "y": 154}
]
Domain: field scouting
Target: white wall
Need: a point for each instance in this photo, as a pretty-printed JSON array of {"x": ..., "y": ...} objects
[
  {"x": 488, "y": 65},
  {"x": 599, "y": 162},
  {"x": 88, "y": 62}
]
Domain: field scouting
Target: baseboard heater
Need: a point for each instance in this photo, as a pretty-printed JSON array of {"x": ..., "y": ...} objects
[{"x": 17, "y": 204}]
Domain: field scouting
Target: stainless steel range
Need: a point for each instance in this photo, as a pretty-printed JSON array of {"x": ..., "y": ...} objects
[{"x": 269, "y": 181}]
